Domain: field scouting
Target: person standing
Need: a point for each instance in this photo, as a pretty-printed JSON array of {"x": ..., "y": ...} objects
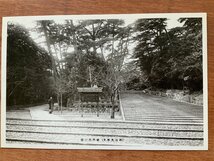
[{"x": 50, "y": 102}]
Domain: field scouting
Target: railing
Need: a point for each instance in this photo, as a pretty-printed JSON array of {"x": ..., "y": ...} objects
[{"x": 94, "y": 107}]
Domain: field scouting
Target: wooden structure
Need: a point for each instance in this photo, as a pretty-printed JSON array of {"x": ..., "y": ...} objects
[{"x": 89, "y": 96}]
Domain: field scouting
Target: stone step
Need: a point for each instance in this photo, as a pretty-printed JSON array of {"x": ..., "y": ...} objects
[
  {"x": 99, "y": 139},
  {"x": 156, "y": 111},
  {"x": 141, "y": 107},
  {"x": 171, "y": 115},
  {"x": 108, "y": 124},
  {"x": 99, "y": 131},
  {"x": 164, "y": 120},
  {"x": 164, "y": 117},
  {"x": 63, "y": 132}
]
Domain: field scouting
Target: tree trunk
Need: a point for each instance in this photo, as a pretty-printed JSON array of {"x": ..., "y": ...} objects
[
  {"x": 113, "y": 100},
  {"x": 49, "y": 49},
  {"x": 112, "y": 108}
]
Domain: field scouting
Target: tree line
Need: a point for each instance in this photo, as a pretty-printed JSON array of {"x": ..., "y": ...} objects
[
  {"x": 170, "y": 59},
  {"x": 102, "y": 52}
]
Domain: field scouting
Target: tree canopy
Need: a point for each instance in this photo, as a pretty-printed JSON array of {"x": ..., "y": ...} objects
[
  {"x": 102, "y": 52},
  {"x": 170, "y": 58},
  {"x": 28, "y": 68}
]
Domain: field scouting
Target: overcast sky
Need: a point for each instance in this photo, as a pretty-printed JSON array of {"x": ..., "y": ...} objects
[{"x": 30, "y": 24}]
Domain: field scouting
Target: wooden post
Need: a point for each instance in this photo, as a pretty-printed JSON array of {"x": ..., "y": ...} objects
[
  {"x": 61, "y": 101},
  {"x": 98, "y": 101},
  {"x": 97, "y": 109},
  {"x": 90, "y": 78},
  {"x": 81, "y": 109},
  {"x": 58, "y": 102},
  {"x": 81, "y": 105}
]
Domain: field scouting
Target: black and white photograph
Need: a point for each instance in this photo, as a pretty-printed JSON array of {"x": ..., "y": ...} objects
[{"x": 120, "y": 81}]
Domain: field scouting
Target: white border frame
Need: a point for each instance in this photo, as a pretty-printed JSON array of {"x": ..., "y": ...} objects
[{"x": 105, "y": 16}]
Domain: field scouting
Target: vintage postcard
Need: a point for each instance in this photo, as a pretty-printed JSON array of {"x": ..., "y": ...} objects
[{"x": 121, "y": 81}]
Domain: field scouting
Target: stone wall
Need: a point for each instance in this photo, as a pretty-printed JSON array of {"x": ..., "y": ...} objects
[{"x": 178, "y": 95}]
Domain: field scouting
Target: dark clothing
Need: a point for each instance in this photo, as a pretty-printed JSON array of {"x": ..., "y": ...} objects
[{"x": 50, "y": 102}]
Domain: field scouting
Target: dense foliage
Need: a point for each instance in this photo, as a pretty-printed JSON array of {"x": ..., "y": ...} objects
[
  {"x": 170, "y": 59},
  {"x": 28, "y": 69},
  {"x": 102, "y": 52}
]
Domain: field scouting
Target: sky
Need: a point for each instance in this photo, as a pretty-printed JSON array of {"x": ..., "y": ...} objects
[{"x": 30, "y": 24}]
